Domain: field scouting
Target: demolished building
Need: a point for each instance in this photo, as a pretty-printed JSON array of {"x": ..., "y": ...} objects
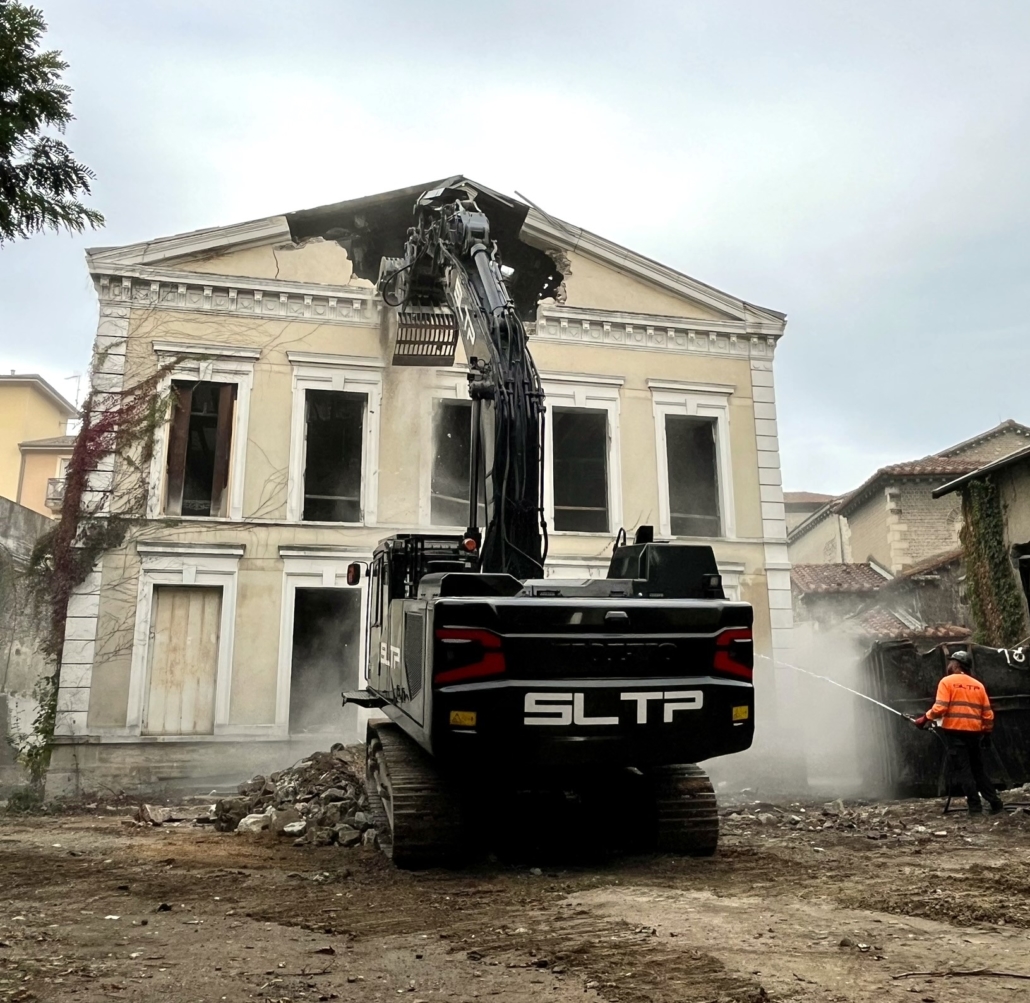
[{"x": 216, "y": 639}]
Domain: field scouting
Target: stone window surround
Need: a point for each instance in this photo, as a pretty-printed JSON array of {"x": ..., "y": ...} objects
[
  {"x": 320, "y": 568},
  {"x": 596, "y": 393},
  {"x": 184, "y": 564},
  {"x": 352, "y": 374},
  {"x": 703, "y": 400},
  {"x": 211, "y": 363},
  {"x": 447, "y": 384}
]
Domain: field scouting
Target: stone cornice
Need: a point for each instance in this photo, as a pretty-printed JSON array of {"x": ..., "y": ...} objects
[
  {"x": 219, "y": 238},
  {"x": 651, "y": 333},
  {"x": 141, "y": 287}
]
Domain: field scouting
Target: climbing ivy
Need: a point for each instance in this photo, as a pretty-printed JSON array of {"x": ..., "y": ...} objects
[
  {"x": 995, "y": 598},
  {"x": 118, "y": 431}
]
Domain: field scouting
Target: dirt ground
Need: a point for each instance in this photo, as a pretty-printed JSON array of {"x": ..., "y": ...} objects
[{"x": 827, "y": 904}]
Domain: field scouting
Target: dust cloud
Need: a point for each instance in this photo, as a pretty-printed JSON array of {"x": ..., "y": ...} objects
[{"x": 810, "y": 739}]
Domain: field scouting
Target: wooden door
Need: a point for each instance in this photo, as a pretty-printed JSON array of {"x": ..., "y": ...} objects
[{"x": 183, "y": 660}]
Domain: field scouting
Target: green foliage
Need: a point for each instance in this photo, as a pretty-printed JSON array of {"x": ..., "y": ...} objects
[
  {"x": 40, "y": 180},
  {"x": 995, "y": 597},
  {"x": 119, "y": 425},
  {"x": 27, "y": 799}
]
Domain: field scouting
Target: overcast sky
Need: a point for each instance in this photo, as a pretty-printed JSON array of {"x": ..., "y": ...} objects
[{"x": 861, "y": 166}]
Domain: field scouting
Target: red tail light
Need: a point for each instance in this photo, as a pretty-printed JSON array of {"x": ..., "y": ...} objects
[
  {"x": 734, "y": 653},
  {"x": 468, "y": 653}
]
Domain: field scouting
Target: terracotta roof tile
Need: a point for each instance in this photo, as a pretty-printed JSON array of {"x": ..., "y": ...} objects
[
  {"x": 930, "y": 466},
  {"x": 930, "y": 564},
  {"x": 844, "y": 578},
  {"x": 882, "y": 623}
]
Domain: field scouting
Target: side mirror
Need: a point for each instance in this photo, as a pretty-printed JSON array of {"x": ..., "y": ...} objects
[{"x": 354, "y": 574}]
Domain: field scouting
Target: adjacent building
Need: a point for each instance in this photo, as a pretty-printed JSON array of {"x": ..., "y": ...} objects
[
  {"x": 218, "y": 637},
  {"x": 34, "y": 446},
  {"x": 893, "y": 517}
]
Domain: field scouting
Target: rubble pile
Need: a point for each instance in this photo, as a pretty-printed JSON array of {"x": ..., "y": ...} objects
[
  {"x": 914, "y": 821},
  {"x": 318, "y": 801}
]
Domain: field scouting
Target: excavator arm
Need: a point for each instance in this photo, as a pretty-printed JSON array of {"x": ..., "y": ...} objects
[{"x": 451, "y": 283}]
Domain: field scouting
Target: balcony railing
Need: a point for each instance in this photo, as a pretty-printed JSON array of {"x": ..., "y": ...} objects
[{"x": 55, "y": 493}]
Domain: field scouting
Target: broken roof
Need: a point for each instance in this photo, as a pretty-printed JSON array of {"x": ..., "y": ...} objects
[
  {"x": 375, "y": 226},
  {"x": 839, "y": 578}
]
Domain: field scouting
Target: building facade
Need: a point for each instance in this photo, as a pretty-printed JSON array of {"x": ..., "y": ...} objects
[
  {"x": 217, "y": 638},
  {"x": 34, "y": 448}
]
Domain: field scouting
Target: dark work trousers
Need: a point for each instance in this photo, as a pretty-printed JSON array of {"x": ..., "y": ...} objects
[{"x": 967, "y": 767}]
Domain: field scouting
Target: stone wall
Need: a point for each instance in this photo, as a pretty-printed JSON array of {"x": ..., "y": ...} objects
[{"x": 21, "y": 664}]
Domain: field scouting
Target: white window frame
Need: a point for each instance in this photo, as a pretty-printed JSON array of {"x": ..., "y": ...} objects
[
  {"x": 587, "y": 392},
  {"x": 217, "y": 364},
  {"x": 318, "y": 568},
  {"x": 451, "y": 385},
  {"x": 351, "y": 374},
  {"x": 186, "y": 565},
  {"x": 700, "y": 400}
]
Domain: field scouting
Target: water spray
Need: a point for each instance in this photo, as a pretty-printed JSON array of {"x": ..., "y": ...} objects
[{"x": 833, "y": 682}]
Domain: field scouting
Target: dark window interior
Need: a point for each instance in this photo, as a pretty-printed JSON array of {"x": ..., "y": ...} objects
[
  {"x": 580, "y": 466},
  {"x": 326, "y": 644},
  {"x": 452, "y": 451},
  {"x": 375, "y": 600},
  {"x": 199, "y": 446},
  {"x": 693, "y": 479},
  {"x": 332, "y": 467}
]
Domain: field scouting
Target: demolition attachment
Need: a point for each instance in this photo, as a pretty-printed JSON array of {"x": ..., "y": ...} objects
[{"x": 427, "y": 333}]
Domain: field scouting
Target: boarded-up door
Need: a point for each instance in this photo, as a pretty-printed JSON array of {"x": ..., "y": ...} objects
[{"x": 184, "y": 628}]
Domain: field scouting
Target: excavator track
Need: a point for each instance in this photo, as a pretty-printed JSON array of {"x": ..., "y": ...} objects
[
  {"x": 685, "y": 809},
  {"x": 417, "y": 815}
]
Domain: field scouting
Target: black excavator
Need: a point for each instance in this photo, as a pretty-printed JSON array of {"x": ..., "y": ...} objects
[{"x": 494, "y": 679}]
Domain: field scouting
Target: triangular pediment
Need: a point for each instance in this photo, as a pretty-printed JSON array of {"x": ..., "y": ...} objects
[{"x": 357, "y": 233}]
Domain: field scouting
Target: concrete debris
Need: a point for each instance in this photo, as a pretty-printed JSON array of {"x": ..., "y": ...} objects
[
  {"x": 152, "y": 814},
  {"x": 909, "y": 821},
  {"x": 318, "y": 802},
  {"x": 253, "y": 823}
]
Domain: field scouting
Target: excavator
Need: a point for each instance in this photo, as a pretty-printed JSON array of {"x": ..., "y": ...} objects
[{"x": 493, "y": 679}]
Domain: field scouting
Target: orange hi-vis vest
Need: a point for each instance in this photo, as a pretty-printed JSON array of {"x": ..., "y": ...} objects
[{"x": 962, "y": 704}]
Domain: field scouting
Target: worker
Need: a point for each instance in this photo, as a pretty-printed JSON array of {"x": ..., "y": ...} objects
[{"x": 966, "y": 720}]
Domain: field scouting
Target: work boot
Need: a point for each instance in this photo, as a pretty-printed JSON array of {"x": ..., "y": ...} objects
[
  {"x": 997, "y": 807},
  {"x": 975, "y": 807}
]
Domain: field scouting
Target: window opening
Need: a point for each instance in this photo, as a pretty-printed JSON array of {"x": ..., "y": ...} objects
[
  {"x": 334, "y": 426},
  {"x": 200, "y": 444},
  {"x": 326, "y": 645},
  {"x": 580, "y": 465},
  {"x": 693, "y": 477},
  {"x": 452, "y": 453}
]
